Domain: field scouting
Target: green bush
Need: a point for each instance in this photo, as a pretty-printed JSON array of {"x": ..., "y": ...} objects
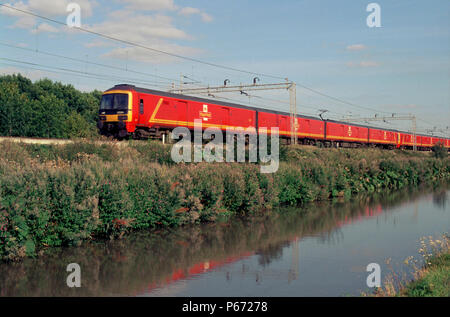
[
  {"x": 153, "y": 151},
  {"x": 439, "y": 150}
]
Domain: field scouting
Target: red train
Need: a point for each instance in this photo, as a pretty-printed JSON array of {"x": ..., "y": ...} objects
[{"x": 126, "y": 110}]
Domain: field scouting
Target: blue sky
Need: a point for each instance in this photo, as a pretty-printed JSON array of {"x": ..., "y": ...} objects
[{"x": 401, "y": 67}]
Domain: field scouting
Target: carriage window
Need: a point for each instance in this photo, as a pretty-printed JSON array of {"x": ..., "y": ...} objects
[{"x": 141, "y": 106}]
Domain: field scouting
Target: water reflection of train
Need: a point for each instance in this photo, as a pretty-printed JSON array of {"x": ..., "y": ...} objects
[
  {"x": 192, "y": 271},
  {"x": 266, "y": 256}
]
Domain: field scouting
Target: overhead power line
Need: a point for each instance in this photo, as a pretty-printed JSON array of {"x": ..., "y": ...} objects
[
  {"x": 142, "y": 46},
  {"x": 73, "y": 71},
  {"x": 57, "y": 72},
  {"x": 341, "y": 100},
  {"x": 86, "y": 62},
  {"x": 287, "y": 102},
  {"x": 191, "y": 59}
]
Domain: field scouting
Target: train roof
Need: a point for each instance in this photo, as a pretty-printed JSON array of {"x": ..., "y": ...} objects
[
  {"x": 203, "y": 100},
  {"x": 230, "y": 104}
]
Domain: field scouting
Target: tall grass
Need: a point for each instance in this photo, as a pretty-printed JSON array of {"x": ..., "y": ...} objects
[{"x": 63, "y": 194}]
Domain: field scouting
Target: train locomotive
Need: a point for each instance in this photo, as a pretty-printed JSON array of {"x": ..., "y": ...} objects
[{"x": 130, "y": 111}]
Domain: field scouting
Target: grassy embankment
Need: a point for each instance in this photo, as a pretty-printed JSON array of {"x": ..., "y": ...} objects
[
  {"x": 432, "y": 279},
  {"x": 63, "y": 194}
]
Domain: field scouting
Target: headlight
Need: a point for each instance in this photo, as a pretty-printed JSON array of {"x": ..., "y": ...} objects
[
  {"x": 102, "y": 118},
  {"x": 121, "y": 118}
]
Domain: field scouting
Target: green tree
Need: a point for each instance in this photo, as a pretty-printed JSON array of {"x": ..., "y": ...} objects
[
  {"x": 48, "y": 117},
  {"x": 76, "y": 126},
  {"x": 46, "y": 108},
  {"x": 14, "y": 108}
]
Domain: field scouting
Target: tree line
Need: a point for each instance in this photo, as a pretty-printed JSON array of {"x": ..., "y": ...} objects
[{"x": 46, "y": 109}]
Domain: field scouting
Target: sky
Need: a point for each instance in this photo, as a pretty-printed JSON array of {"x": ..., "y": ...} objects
[{"x": 339, "y": 63}]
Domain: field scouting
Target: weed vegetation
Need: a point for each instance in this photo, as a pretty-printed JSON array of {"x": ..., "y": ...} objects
[
  {"x": 59, "y": 195},
  {"x": 431, "y": 277}
]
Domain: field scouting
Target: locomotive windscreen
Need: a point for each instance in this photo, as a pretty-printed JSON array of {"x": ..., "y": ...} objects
[{"x": 114, "y": 102}]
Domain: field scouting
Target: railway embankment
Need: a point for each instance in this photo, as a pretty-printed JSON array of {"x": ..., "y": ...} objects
[{"x": 59, "y": 195}]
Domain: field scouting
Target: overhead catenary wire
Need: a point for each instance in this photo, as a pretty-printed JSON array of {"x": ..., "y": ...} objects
[
  {"x": 142, "y": 46},
  {"x": 317, "y": 108},
  {"x": 169, "y": 80},
  {"x": 73, "y": 71},
  {"x": 262, "y": 106},
  {"x": 109, "y": 79},
  {"x": 57, "y": 72},
  {"x": 340, "y": 100}
]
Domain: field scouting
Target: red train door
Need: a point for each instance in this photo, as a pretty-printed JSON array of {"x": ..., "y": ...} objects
[
  {"x": 224, "y": 117},
  {"x": 142, "y": 111}
]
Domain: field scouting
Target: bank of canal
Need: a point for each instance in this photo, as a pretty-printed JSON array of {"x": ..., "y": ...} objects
[{"x": 319, "y": 250}]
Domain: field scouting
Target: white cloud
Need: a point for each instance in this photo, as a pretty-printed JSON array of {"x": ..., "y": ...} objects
[
  {"x": 130, "y": 23},
  {"x": 148, "y": 30},
  {"x": 29, "y": 73},
  {"x": 139, "y": 28},
  {"x": 363, "y": 64},
  {"x": 48, "y": 8},
  {"x": 44, "y": 27},
  {"x": 188, "y": 11},
  {"x": 23, "y": 21},
  {"x": 356, "y": 47},
  {"x": 14, "y": 13},
  {"x": 206, "y": 17},
  {"x": 149, "y": 5}
]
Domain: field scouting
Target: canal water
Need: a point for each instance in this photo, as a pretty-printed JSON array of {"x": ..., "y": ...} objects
[{"x": 318, "y": 250}]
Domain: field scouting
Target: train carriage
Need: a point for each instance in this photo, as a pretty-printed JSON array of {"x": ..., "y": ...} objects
[
  {"x": 346, "y": 134},
  {"x": 384, "y": 138},
  {"x": 266, "y": 120},
  {"x": 425, "y": 142},
  {"x": 310, "y": 130},
  {"x": 284, "y": 123},
  {"x": 126, "y": 110}
]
